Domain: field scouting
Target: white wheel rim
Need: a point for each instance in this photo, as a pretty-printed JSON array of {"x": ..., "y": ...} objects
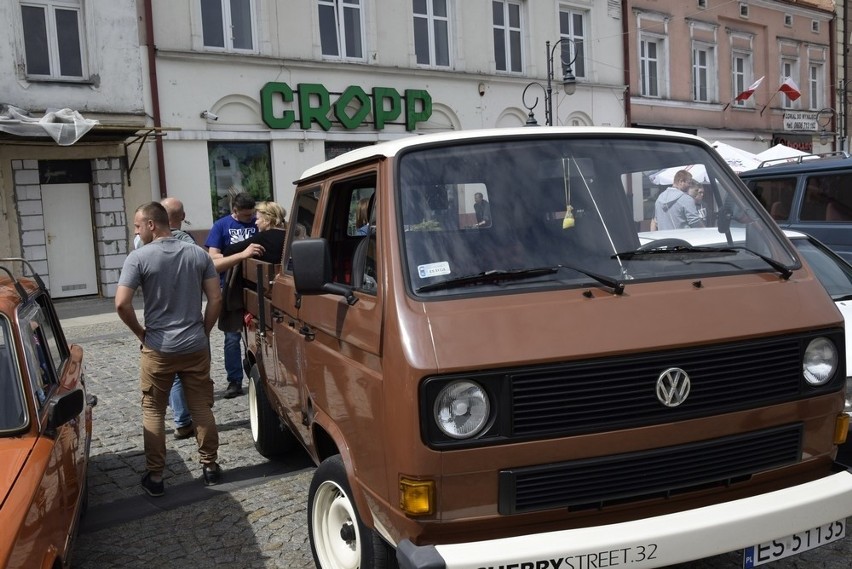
[
  {"x": 253, "y": 419},
  {"x": 332, "y": 512}
]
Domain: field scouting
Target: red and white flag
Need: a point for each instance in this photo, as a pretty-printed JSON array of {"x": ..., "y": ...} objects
[
  {"x": 789, "y": 88},
  {"x": 750, "y": 91}
]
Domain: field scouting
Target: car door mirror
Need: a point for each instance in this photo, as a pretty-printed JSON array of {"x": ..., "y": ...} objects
[
  {"x": 65, "y": 408},
  {"x": 312, "y": 270}
]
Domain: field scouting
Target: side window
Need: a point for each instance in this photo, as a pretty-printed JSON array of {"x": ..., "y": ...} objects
[
  {"x": 827, "y": 198},
  {"x": 351, "y": 231},
  {"x": 40, "y": 360},
  {"x": 776, "y": 195},
  {"x": 12, "y": 408},
  {"x": 301, "y": 221},
  {"x": 53, "y": 39}
]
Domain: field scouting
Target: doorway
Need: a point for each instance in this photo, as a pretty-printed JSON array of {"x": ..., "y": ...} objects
[{"x": 69, "y": 240}]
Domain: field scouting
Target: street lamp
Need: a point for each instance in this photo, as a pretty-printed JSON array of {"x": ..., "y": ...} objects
[{"x": 569, "y": 82}]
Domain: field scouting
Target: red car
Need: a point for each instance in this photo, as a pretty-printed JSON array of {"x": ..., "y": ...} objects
[{"x": 45, "y": 427}]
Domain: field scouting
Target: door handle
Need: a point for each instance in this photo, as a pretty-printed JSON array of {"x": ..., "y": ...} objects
[
  {"x": 277, "y": 315},
  {"x": 306, "y": 331}
]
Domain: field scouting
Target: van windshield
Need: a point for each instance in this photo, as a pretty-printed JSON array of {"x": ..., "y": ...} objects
[{"x": 558, "y": 211}]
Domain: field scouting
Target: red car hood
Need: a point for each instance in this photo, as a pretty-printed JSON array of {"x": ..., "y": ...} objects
[{"x": 13, "y": 454}]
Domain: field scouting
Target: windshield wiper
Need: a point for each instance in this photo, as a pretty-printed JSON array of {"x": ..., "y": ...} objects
[
  {"x": 650, "y": 251},
  {"x": 488, "y": 277},
  {"x": 784, "y": 271},
  {"x": 515, "y": 274}
]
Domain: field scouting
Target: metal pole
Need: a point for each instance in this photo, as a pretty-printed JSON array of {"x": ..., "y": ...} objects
[{"x": 548, "y": 99}]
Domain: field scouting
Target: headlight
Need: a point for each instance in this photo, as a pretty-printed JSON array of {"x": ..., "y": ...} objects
[
  {"x": 461, "y": 409},
  {"x": 820, "y": 361}
]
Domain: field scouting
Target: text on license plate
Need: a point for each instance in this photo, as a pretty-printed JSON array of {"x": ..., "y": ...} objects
[{"x": 793, "y": 544}]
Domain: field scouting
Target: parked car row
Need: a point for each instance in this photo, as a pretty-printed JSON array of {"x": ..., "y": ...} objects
[{"x": 45, "y": 427}]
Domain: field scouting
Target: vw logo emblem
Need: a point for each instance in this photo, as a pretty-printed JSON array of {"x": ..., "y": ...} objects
[{"x": 673, "y": 387}]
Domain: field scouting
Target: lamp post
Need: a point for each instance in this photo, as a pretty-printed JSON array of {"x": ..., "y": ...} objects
[
  {"x": 569, "y": 82},
  {"x": 843, "y": 106}
]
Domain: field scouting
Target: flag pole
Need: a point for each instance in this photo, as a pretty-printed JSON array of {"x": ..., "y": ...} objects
[{"x": 767, "y": 102}]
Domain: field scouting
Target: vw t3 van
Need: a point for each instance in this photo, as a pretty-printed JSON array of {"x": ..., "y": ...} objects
[{"x": 491, "y": 370}]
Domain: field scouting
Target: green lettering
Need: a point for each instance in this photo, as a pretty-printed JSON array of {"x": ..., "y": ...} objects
[
  {"x": 318, "y": 113},
  {"x": 381, "y": 114},
  {"x": 267, "y": 94},
  {"x": 412, "y": 114},
  {"x": 353, "y": 92}
]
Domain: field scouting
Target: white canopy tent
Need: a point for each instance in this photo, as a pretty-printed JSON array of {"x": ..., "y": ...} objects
[
  {"x": 780, "y": 152},
  {"x": 738, "y": 160}
]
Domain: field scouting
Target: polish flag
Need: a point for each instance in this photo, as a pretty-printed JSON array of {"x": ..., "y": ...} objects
[
  {"x": 750, "y": 91},
  {"x": 789, "y": 88}
]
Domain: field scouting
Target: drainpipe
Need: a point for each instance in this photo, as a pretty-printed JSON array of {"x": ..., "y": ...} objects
[
  {"x": 625, "y": 47},
  {"x": 155, "y": 94}
]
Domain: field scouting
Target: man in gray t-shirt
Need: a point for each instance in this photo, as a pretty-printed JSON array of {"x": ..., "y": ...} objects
[
  {"x": 175, "y": 339},
  {"x": 675, "y": 208}
]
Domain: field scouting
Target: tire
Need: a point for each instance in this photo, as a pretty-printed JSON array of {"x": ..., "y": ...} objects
[
  {"x": 339, "y": 539},
  {"x": 270, "y": 437}
]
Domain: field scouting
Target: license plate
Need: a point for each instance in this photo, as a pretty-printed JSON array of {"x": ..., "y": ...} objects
[{"x": 793, "y": 544}]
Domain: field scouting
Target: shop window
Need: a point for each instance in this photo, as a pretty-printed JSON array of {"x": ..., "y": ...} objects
[
  {"x": 228, "y": 24},
  {"x": 53, "y": 39},
  {"x": 341, "y": 28},
  {"x": 236, "y": 167}
]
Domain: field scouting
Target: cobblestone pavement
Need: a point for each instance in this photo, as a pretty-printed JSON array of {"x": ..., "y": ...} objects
[{"x": 256, "y": 518}]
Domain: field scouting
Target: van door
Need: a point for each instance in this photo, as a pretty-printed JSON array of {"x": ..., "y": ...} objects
[
  {"x": 826, "y": 210},
  {"x": 341, "y": 343}
]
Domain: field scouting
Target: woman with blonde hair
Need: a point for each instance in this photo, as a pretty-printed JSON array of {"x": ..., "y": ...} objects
[{"x": 267, "y": 244}]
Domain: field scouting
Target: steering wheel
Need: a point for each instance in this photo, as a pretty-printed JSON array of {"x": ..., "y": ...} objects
[{"x": 665, "y": 243}]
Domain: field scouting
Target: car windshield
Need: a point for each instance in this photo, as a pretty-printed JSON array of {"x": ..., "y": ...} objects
[
  {"x": 12, "y": 406},
  {"x": 566, "y": 210}
]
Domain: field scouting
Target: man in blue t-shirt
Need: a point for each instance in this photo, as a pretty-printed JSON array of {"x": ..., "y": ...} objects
[{"x": 233, "y": 228}]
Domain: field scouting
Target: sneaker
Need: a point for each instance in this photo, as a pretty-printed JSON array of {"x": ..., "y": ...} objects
[
  {"x": 154, "y": 489},
  {"x": 234, "y": 390},
  {"x": 212, "y": 474},
  {"x": 182, "y": 433}
]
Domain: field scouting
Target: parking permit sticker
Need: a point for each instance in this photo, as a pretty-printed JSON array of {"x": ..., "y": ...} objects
[{"x": 433, "y": 270}]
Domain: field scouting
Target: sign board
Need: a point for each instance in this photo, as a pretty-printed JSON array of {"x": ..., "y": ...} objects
[{"x": 801, "y": 120}]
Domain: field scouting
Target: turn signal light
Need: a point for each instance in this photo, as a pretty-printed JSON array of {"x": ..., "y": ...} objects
[
  {"x": 841, "y": 428},
  {"x": 416, "y": 497}
]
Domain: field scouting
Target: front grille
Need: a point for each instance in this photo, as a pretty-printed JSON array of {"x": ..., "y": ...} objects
[
  {"x": 620, "y": 392},
  {"x": 659, "y": 472}
]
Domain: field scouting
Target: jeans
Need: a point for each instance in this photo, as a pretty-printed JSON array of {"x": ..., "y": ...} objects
[
  {"x": 177, "y": 401},
  {"x": 233, "y": 358},
  {"x": 156, "y": 373}
]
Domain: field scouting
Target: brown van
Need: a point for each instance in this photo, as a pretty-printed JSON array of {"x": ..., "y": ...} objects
[{"x": 491, "y": 370}]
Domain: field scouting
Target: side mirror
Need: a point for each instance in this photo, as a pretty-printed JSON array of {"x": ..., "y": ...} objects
[
  {"x": 312, "y": 269},
  {"x": 65, "y": 408}
]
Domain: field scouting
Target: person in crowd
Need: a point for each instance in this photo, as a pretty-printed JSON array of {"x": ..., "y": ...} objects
[
  {"x": 238, "y": 226},
  {"x": 175, "y": 340},
  {"x": 675, "y": 208},
  {"x": 362, "y": 217},
  {"x": 696, "y": 192}
]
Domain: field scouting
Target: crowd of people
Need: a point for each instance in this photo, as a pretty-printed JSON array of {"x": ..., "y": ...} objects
[
  {"x": 176, "y": 275},
  {"x": 680, "y": 206}
]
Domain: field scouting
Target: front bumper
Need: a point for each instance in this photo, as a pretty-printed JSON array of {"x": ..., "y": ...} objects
[{"x": 653, "y": 542}]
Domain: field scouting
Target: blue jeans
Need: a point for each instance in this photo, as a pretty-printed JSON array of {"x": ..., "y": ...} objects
[
  {"x": 233, "y": 358},
  {"x": 177, "y": 402}
]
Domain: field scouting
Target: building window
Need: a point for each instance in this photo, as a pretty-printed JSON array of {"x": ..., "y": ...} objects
[
  {"x": 788, "y": 20},
  {"x": 650, "y": 66},
  {"x": 703, "y": 72},
  {"x": 815, "y": 82},
  {"x": 572, "y": 25},
  {"x": 742, "y": 77},
  {"x": 238, "y": 167},
  {"x": 815, "y": 26},
  {"x": 341, "y": 28},
  {"x": 432, "y": 32},
  {"x": 507, "y": 35},
  {"x": 789, "y": 68},
  {"x": 743, "y": 10},
  {"x": 228, "y": 24},
  {"x": 53, "y": 39}
]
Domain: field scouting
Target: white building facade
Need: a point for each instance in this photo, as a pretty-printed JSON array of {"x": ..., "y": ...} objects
[{"x": 257, "y": 91}]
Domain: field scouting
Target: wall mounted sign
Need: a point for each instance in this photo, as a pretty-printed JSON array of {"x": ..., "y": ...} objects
[
  {"x": 351, "y": 108},
  {"x": 801, "y": 120}
]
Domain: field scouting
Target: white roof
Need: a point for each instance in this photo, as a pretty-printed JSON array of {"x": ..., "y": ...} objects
[{"x": 391, "y": 148}]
